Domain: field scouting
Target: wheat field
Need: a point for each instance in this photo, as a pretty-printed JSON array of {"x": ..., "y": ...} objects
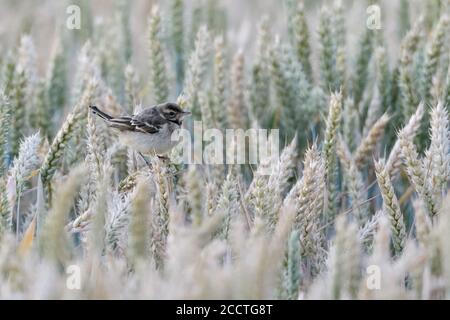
[{"x": 355, "y": 207}]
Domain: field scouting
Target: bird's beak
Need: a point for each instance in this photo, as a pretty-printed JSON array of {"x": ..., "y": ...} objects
[{"x": 185, "y": 114}]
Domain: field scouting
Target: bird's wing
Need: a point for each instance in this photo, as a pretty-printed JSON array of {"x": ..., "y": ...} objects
[{"x": 146, "y": 122}]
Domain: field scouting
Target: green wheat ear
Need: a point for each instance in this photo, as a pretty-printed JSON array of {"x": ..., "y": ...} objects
[
  {"x": 158, "y": 71},
  {"x": 328, "y": 53}
]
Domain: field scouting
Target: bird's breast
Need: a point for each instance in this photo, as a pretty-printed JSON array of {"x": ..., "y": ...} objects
[{"x": 159, "y": 143}]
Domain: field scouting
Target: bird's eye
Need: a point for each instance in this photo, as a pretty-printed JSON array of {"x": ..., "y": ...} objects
[{"x": 172, "y": 114}]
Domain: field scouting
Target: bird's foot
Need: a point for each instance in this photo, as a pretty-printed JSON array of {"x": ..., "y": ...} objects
[{"x": 164, "y": 159}]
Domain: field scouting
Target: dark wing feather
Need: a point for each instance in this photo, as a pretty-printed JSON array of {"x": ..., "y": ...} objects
[{"x": 148, "y": 121}]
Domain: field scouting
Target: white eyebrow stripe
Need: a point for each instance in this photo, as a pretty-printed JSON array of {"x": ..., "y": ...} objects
[{"x": 120, "y": 120}]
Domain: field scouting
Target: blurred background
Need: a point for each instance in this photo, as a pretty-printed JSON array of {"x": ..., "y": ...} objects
[{"x": 45, "y": 21}]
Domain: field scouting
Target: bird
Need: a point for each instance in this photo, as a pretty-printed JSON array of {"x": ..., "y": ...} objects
[{"x": 148, "y": 131}]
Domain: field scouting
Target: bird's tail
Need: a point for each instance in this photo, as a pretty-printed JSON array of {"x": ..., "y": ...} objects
[{"x": 100, "y": 113}]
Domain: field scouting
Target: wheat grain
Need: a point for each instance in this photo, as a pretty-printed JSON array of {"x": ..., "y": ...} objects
[{"x": 391, "y": 206}]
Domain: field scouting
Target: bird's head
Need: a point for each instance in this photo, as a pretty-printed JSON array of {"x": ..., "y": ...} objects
[{"x": 172, "y": 112}]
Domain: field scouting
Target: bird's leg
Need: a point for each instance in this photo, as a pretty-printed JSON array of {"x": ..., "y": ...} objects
[
  {"x": 164, "y": 159},
  {"x": 145, "y": 160}
]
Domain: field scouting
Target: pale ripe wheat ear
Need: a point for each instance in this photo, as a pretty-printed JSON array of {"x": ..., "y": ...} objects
[
  {"x": 366, "y": 232},
  {"x": 22, "y": 170},
  {"x": 160, "y": 174},
  {"x": 409, "y": 130},
  {"x": 369, "y": 142},
  {"x": 258, "y": 173},
  {"x": 94, "y": 160},
  {"x": 26, "y": 161},
  {"x": 211, "y": 196},
  {"x": 391, "y": 206},
  {"x": 118, "y": 218},
  {"x": 416, "y": 172},
  {"x": 262, "y": 199},
  {"x": 308, "y": 201},
  {"x": 227, "y": 203},
  {"x": 437, "y": 158},
  {"x": 285, "y": 169}
]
